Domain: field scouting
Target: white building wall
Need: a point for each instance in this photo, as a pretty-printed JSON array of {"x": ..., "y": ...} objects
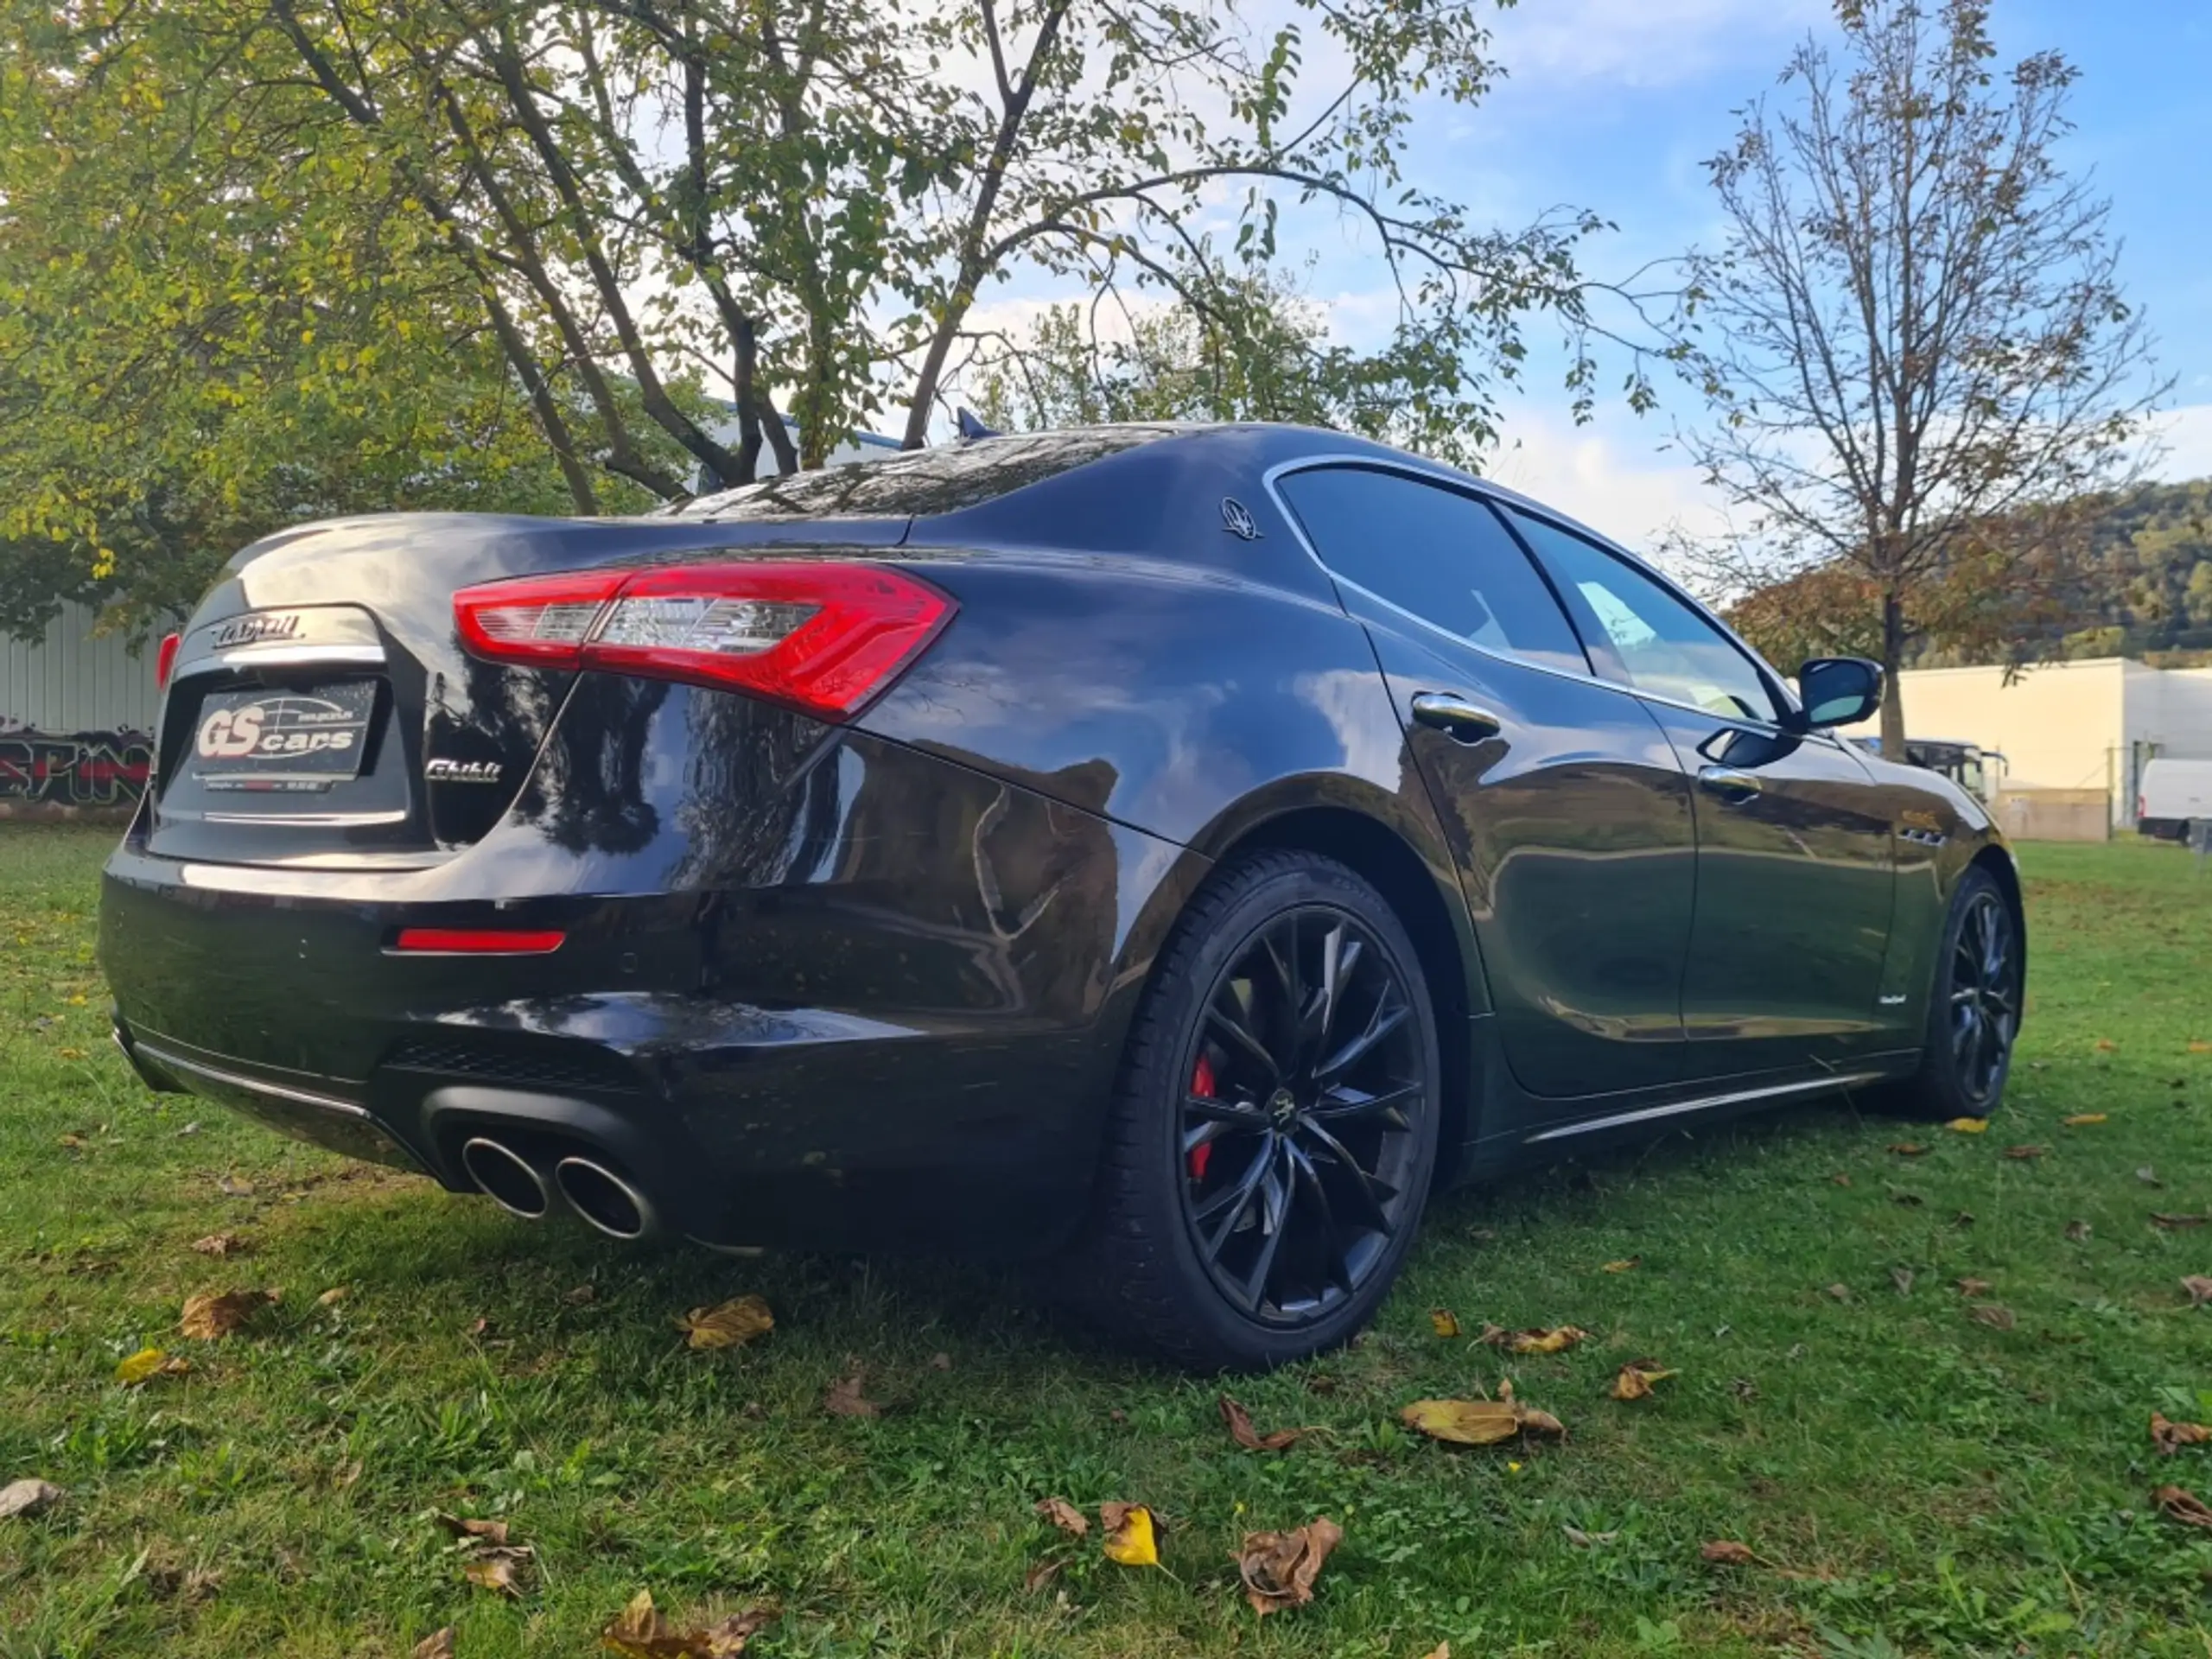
[{"x": 75, "y": 681}]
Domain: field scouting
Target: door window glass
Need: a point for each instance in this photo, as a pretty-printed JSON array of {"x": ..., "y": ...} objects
[
  {"x": 1665, "y": 646},
  {"x": 1438, "y": 554}
]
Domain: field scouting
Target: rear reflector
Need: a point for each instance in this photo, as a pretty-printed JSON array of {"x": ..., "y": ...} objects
[
  {"x": 164, "y": 660},
  {"x": 478, "y": 941},
  {"x": 823, "y": 637}
]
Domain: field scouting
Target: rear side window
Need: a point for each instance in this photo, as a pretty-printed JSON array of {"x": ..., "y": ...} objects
[
  {"x": 1436, "y": 554},
  {"x": 1666, "y": 647}
]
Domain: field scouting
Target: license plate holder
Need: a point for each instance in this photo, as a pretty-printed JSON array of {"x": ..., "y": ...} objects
[{"x": 282, "y": 742}]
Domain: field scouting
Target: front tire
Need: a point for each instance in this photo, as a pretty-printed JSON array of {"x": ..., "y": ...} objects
[
  {"x": 1974, "y": 1006},
  {"x": 1274, "y": 1129}
]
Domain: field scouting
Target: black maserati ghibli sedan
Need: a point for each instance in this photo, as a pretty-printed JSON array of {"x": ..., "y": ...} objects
[{"x": 1170, "y": 852}]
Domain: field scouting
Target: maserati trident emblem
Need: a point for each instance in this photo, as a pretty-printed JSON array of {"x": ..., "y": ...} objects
[{"x": 1237, "y": 518}]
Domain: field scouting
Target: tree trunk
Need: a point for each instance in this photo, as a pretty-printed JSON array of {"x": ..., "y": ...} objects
[{"x": 1892, "y": 692}]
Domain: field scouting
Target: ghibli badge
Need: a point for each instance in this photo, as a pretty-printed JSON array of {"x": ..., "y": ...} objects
[{"x": 443, "y": 771}]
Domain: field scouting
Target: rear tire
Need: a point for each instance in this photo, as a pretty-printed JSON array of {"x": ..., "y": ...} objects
[
  {"x": 1275, "y": 1126},
  {"x": 1973, "y": 1008}
]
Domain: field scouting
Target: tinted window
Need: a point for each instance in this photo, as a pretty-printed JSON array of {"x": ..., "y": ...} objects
[
  {"x": 921, "y": 482},
  {"x": 1669, "y": 648},
  {"x": 1442, "y": 556}
]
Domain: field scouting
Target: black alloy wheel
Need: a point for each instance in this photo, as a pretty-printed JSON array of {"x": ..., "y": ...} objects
[
  {"x": 1297, "y": 1139},
  {"x": 1984, "y": 1006},
  {"x": 1275, "y": 1129},
  {"x": 1973, "y": 1009}
]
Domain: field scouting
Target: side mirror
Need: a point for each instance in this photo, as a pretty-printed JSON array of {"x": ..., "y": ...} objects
[{"x": 1838, "y": 691}]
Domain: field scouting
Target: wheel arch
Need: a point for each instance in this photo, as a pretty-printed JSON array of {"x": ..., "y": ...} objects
[
  {"x": 1997, "y": 859},
  {"x": 1428, "y": 902}
]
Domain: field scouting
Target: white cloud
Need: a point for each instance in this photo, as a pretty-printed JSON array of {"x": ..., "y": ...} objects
[
  {"x": 2186, "y": 436},
  {"x": 1618, "y": 481},
  {"x": 1644, "y": 42}
]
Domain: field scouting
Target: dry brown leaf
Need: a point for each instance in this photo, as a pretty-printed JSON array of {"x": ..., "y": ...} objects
[
  {"x": 2082, "y": 1120},
  {"x": 1907, "y": 1148},
  {"x": 2106, "y": 1045},
  {"x": 1239, "y": 1423},
  {"x": 2170, "y": 1437},
  {"x": 1279, "y": 1568},
  {"x": 2199, "y": 1288},
  {"x": 940, "y": 1362},
  {"x": 2078, "y": 1232},
  {"x": 583, "y": 1293},
  {"x": 1841, "y": 1293},
  {"x": 210, "y": 1316},
  {"x": 331, "y": 1297},
  {"x": 222, "y": 1244},
  {"x": 1063, "y": 1515},
  {"x": 1635, "y": 1378},
  {"x": 1726, "y": 1552},
  {"x": 1534, "y": 1340},
  {"x": 502, "y": 1570},
  {"x": 2176, "y": 1504},
  {"x": 2174, "y": 1224},
  {"x": 1992, "y": 1315},
  {"x": 2021, "y": 1154},
  {"x": 642, "y": 1633},
  {"x": 845, "y": 1400},
  {"x": 1840, "y": 1179},
  {"x": 1129, "y": 1538},
  {"x": 725, "y": 1325},
  {"x": 1444, "y": 1322},
  {"x": 27, "y": 1497},
  {"x": 436, "y": 1645},
  {"x": 489, "y": 1532},
  {"x": 234, "y": 1186},
  {"x": 1042, "y": 1573},
  {"x": 1582, "y": 1540},
  {"x": 1627, "y": 1263},
  {"x": 148, "y": 1363},
  {"x": 1971, "y": 1288}
]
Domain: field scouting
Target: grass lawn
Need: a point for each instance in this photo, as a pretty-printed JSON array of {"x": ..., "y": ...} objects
[{"x": 1913, "y": 1480}]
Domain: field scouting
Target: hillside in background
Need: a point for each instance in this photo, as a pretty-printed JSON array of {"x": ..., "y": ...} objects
[{"x": 2147, "y": 587}]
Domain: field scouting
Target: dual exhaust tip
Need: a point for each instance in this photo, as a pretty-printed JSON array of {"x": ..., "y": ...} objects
[{"x": 527, "y": 1188}]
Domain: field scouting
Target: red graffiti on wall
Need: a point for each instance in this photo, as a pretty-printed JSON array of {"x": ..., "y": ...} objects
[{"x": 83, "y": 769}]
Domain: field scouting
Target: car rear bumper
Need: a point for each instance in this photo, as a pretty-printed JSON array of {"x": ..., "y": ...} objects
[{"x": 908, "y": 1038}]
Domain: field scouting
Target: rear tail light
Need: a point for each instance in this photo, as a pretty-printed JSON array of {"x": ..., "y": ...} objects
[
  {"x": 821, "y": 637},
  {"x": 164, "y": 660}
]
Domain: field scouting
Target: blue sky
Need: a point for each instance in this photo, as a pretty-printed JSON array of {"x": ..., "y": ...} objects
[{"x": 1613, "y": 105}]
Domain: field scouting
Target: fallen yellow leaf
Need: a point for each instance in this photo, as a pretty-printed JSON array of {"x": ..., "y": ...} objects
[
  {"x": 221, "y": 1244},
  {"x": 641, "y": 1633},
  {"x": 1635, "y": 1378},
  {"x": 1968, "y": 1125},
  {"x": 1279, "y": 1568},
  {"x": 149, "y": 1363},
  {"x": 2082, "y": 1120},
  {"x": 1444, "y": 1321},
  {"x": 2022, "y": 1155},
  {"x": 1624, "y": 1264},
  {"x": 1910, "y": 1148},
  {"x": 1463, "y": 1423},
  {"x": 209, "y": 1316},
  {"x": 2199, "y": 1288},
  {"x": 499, "y": 1569},
  {"x": 1536, "y": 1340},
  {"x": 727, "y": 1325},
  {"x": 1128, "y": 1535},
  {"x": 2106, "y": 1045},
  {"x": 488, "y": 1532},
  {"x": 2200, "y": 1048},
  {"x": 436, "y": 1645}
]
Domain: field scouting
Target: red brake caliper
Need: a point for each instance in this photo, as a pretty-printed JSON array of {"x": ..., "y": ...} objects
[{"x": 1202, "y": 1085}]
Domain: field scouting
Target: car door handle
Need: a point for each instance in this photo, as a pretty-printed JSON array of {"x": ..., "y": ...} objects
[
  {"x": 1455, "y": 716},
  {"x": 1729, "y": 784}
]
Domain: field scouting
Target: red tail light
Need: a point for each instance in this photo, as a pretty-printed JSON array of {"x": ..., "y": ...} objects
[
  {"x": 478, "y": 941},
  {"x": 165, "y": 659},
  {"x": 821, "y": 637}
]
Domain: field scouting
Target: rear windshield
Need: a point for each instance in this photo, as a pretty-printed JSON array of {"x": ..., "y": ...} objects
[{"x": 922, "y": 481}]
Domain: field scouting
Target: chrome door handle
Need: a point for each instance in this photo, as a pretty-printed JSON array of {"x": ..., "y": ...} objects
[
  {"x": 1455, "y": 716},
  {"x": 1730, "y": 783}
]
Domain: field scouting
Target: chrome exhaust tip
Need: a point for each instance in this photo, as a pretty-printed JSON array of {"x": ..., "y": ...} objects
[
  {"x": 604, "y": 1199},
  {"x": 506, "y": 1177}
]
